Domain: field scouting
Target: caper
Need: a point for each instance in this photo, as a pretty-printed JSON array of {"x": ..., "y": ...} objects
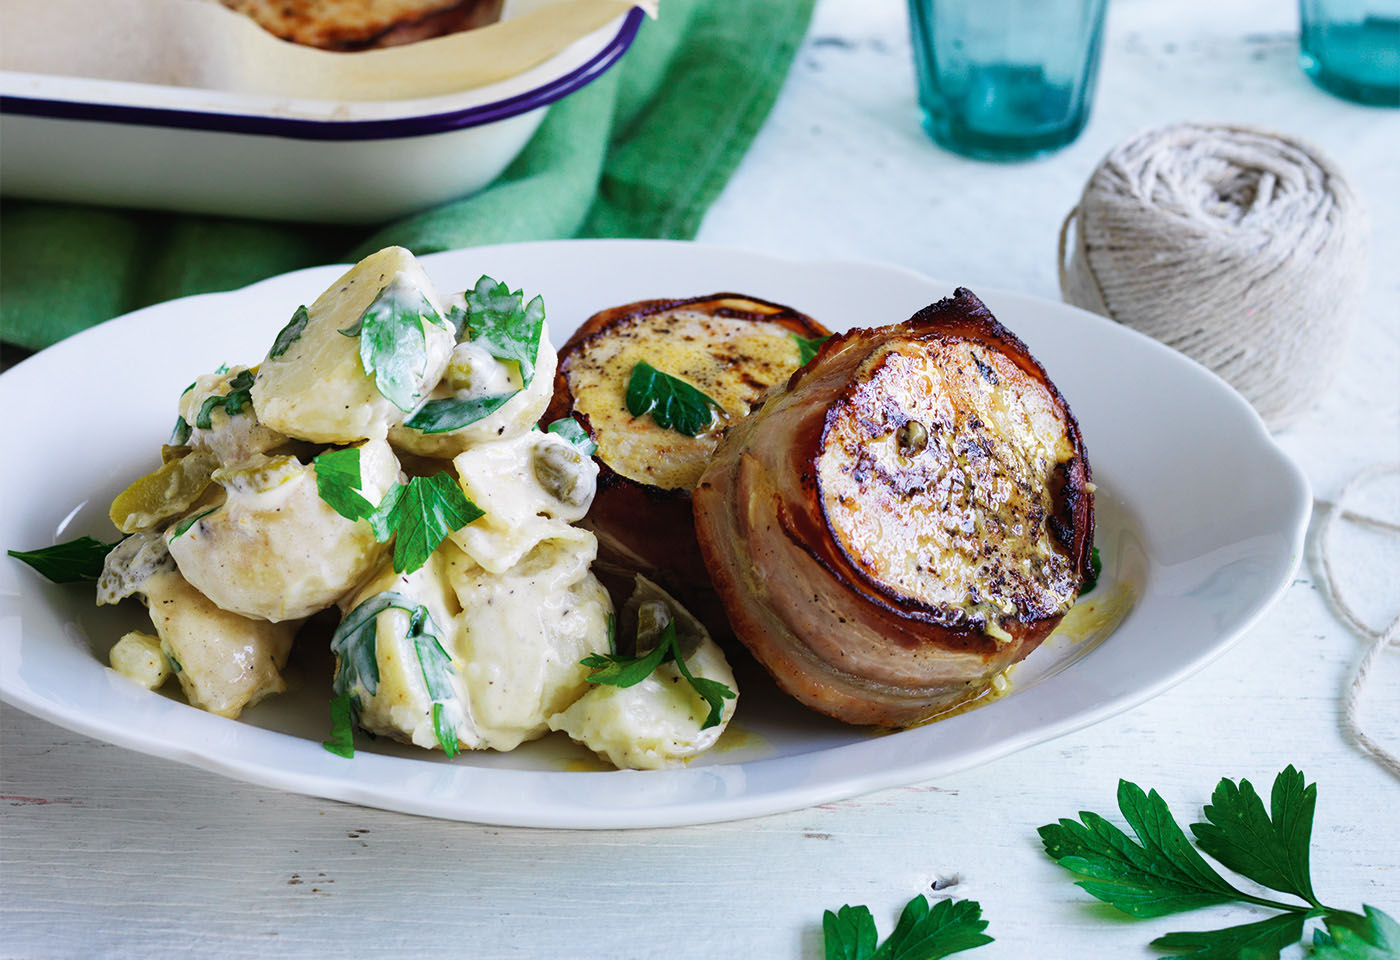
[
  {"x": 652, "y": 617},
  {"x": 912, "y": 438},
  {"x": 560, "y": 470}
]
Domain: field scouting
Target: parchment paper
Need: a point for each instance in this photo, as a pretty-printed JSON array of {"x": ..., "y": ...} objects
[{"x": 201, "y": 43}]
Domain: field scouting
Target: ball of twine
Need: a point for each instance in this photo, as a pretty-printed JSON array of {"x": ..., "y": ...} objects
[{"x": 1243, "y": 249}]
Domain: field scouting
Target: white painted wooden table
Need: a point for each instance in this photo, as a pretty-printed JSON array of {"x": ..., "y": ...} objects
[{"x": 109, "y": 853}]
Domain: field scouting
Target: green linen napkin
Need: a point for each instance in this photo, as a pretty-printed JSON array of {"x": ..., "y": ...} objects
[{"x": 640, "y": 152}]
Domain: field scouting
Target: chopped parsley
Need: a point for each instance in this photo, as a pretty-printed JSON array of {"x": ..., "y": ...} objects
[
  {"x": 453, "y": 413},
  {"x": 184, "y": 525},
  {"x": 1095, "y": 570},
  {"x": 504, "y": 325},
  {"x": 498, "y": 319},
  {"x": 419, "y": 515},
  {"x": 572, "y": 431},
  {"x": 239, "y": 396},
  {"x": 290, "y": 334},
  {"x": 618, "y": 671},
  {"x": 807, "y": 347},
  {"x": 355, "y": 645},
  {"x": 672, "y": 403},
  {"x": 393, "y": 347},
  {"x": 181, "y": 434}
]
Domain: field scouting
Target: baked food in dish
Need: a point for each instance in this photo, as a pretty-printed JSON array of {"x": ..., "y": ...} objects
[
  {"x": 365, "y": 24},
  {"x": 910, "y": 516},
  {"x": 731, "y": 347}
]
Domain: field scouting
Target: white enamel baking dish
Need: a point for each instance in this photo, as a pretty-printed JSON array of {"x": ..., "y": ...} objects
[{"x": 177, "y": 148}]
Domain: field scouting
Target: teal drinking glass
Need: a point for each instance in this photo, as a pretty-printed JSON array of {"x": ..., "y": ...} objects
[
  {"x": 1005, "y": 79},
  {"x": 1352, "y": 48}
]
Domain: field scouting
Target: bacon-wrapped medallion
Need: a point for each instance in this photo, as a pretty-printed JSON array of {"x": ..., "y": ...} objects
[
  {"x": 730, "y": 347},
  {"x": 912, "y": 515}
]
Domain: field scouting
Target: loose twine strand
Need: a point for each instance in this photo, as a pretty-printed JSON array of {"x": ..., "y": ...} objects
[
  {"x": 1380, "y": 639},
  {"x": 1243, "y": 249}
]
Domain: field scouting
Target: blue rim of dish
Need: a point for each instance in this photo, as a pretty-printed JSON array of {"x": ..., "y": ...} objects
[{"x": 301, "y": 129}]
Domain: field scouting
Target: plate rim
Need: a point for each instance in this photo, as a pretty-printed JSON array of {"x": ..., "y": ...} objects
[
  {"x": 306, "y": 128},
  {"x": 795, "y": 796}
]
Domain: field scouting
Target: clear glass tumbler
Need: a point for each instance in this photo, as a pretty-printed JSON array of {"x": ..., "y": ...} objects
[
  {"x": 1005, "y": 79},
  {"x": 1352, "y": 48}
]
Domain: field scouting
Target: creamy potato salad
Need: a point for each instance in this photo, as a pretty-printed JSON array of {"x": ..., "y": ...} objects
[{"x": 383, "y": 461}]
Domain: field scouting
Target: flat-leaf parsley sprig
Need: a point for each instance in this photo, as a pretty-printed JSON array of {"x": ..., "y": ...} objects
[
  {"x": 923, "y": 932},
  {"x": 1162, "y": 873},
  {"x": 419, "y": 515},
  {"x": 498, "y": 320},
  {"x": 620, "y": 671}
]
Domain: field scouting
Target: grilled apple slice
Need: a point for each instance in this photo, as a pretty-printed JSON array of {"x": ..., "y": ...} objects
[
  {"x": 732, "y": 348},
  {"x": 909, "y": 517}
]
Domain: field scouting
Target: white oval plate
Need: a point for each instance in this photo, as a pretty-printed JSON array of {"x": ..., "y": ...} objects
[{"x": 1201, "y": 517}]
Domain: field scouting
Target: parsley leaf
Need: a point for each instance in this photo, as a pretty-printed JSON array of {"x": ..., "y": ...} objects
[
  {"x": 850, "y": 933},
  {"x": 240, "y": 395},
  {"x": 923, "y": 933},
  {"x": 672, "y": 403},
  {"x": 807, "y": 347},
  {"x": 457, "y": 319},
  {"x": 290, "y": 334},
  {"x": 1164, "y": 874},
  {"x": 1273, "y": 853},
  {"x": 619, "y": 671},
  {"x": 1264, "y": 938},
  {"x": 616, "y": 670},
  {"x": 342, "y": 738},
  {"x": 419, "y": 514},
  {"x": 338, "y": 483},
  {"x": 355, "y": 645},
  {"x": 1351, "y": 936},
  {"x": 496, "y": 319},
  {"x": 451, "y": 413},
  {"x": 572, "y": 431},
  {"x": 74, "y": 561},
  {"x": 445, "y": 731},
  {"x": 393, "y": 347},
  {"x": 181, "y": 434},
  {"x": 424, "y": 515},
  {"x": 1095, "y": 570},
  {"x": 183, "y": 527},
  {"x": 508, "y": 330}
]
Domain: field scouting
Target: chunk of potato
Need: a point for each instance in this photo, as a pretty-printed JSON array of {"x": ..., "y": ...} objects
[
  {"x": 523, "y": 633},
  {"x": 138, "y": 657},
  {"x": 658, "y": 722},
  {"x": 315, "y": 386},
  {"x": 275, "y": 550},
  {"x": 401, "y": 706},
  {"x": 224, "y": 662},
  {"x": 531, "y": 489}
]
